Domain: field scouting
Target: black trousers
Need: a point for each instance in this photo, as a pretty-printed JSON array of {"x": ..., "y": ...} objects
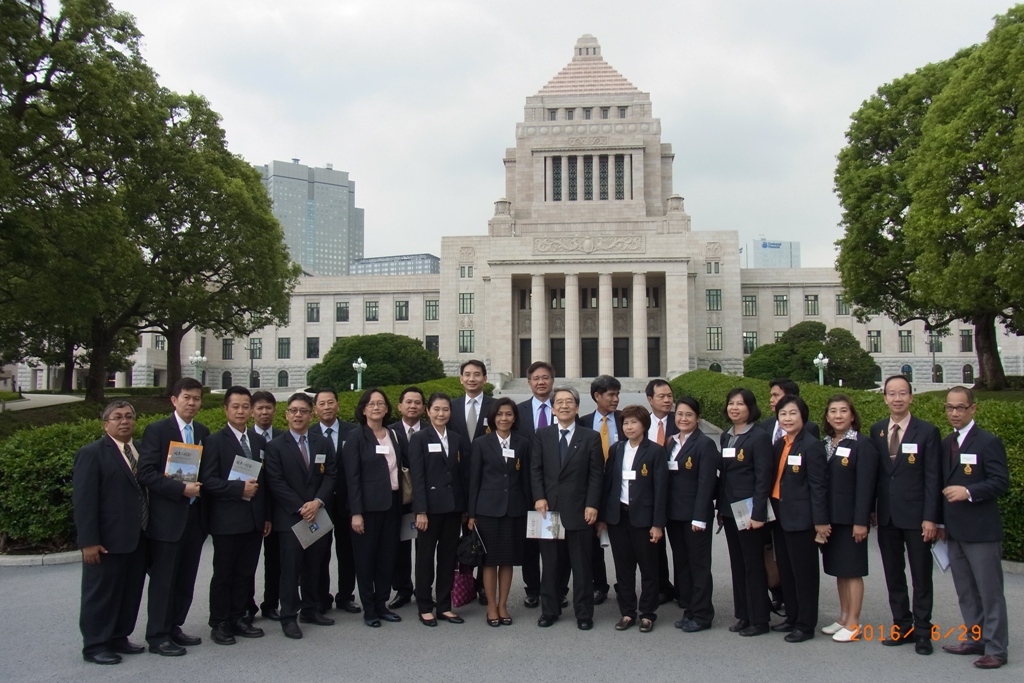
[
  {"x": 111, "y": 595},
  {"x": 441, "y": 539},
  {"x": 691, "y": 559},
  {"x": 599, "y": 568},
  {"x": 300, "y": 573},
  {"x": 235, "y": 559},
  {"x": 632, "y": 548},
  {"x": 271, "y": 572},
  {"x": 576, "y": 551},
  {"x": 664, "y": 575},
  {"x": 749, "y": 579},
  {"x": 401, "y": 580},
  {"x": 374, "y": 551},
  {"x": 891, "y": 542},
  {"x": 346, "y": 565},
  {"x": 172, "y": 578},
  {"x": 797, "y": 556},
  {"x": 531, "y": 566}
]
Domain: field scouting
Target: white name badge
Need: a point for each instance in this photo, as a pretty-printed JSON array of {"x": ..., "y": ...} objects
[
  {"x": 909, "y": 447},
  {"x": 795, "y": 460},
  {"x": 434, "y": 448},
  {"x": 320, "y": 458},
  {"x": 485, "y": 422},
  {"x": 508, "y": 453},
  {"x": 673, "y": 465},
  {"x": 261, "y": 455},
  {"x": 629, "y": 475},
  {"x": 728, "y": 452},
  {"x": 968, "y": 458},
  {"x": 842, "y": 451},
  {"x": 383, "y": 450}
]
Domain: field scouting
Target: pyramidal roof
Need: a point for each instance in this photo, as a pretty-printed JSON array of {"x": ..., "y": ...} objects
[{"x": 588, "y": 73}]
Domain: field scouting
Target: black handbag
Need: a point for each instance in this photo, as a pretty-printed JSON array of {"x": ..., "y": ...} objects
[{"x": 471, "y": 549}]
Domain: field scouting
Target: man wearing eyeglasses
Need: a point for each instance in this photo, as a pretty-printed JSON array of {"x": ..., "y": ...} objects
[
  {"x": 301, "y": 472},
  {"x": 975, "y": 475}
]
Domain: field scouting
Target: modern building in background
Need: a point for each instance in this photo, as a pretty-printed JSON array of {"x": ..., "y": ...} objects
[
  {"x": 764, "y": 253},
  {"x": 404, "y": 264},
  {"x": 323, "y": 229}
]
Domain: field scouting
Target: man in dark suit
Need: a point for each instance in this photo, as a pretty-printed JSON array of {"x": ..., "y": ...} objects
[
  {"x": 975, "y": 475},
  {"x": 337, "y": 432},
  {"x": 411, "y": 404},
  {"x": 663, "y": 427},
  {"x": 176, "y": 528},
  {"x": 908, "y": 507},
  {"x": 777, "y": 388},
  {"x": 111, "y": 514},
  {"x": 236, "y": 514},
  {"x": 532, "y": 414},
  {"x": 301, "y": 471},
  {"x": 264, "y": 407},
  {"x": 566, "y": 471},
  {"x": 607, "y": 422}
]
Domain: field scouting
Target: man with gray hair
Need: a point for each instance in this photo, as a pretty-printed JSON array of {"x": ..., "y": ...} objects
[{"x": 566, "y": 471}]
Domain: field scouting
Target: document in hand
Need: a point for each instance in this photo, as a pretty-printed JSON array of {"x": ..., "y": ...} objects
[
  {"x": 244, "y": 469},
  {"x": 408, "y": 529},
  {"x": 940, "y": 553},
  {"x": 183, "y": 461},
  {"x": 309, "y": 533},
  {"x": 544, "y": 526},
  {"x": 742, "y": 509}
]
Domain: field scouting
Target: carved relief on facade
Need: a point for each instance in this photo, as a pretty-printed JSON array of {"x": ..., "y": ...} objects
[
  {"x": 622, "y": 322},
  {"x": 465, "y": 322},
  {"x": 714, "y": 319},
  {"x": 713, "y": 250},
  {"x": 588, "y": 323},
  {"x": 591, "y": 141},
  {"x": 558, "y": 323},
  {"x": 467, "y": 255},
  {"x": 587, "y": 244},
  {"x": 653, "y": 325}
]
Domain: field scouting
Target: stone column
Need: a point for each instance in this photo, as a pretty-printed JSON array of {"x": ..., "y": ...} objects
[
  {"x": 605, "y": 329},
  {"x": 549, "y": 187},
  {"x": 639, "y": 324},
  {"x": 676, "y": 339},
  {"x": 628, "y": 163},
  {"x": 540, "y": 347},
  {"x": 572, "y": 326},
  {"x": 501, "y": 305}
]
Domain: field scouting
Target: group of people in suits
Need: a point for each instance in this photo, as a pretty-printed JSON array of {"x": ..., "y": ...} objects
[{"x": 626, "y": 479}]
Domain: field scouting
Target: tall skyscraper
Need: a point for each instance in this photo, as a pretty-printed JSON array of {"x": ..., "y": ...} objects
[{"x": 323, "y": 229}]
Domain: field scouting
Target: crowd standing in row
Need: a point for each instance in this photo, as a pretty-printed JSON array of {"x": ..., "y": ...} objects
[{"x": 478, "y": 465}]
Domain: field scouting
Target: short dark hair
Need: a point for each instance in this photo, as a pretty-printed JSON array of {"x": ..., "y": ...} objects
[
  {"x": 499, "y": 403},
  {"x": 603, "y": 384},
  {"x": 264, "y": 396},
  {"x": 840, "y": 398},
  {"x": 538, "y": 365},
  {"x": 325, "y": 390},
  {"x": 638, "y": 413},
  {"x": 474, "y": 361},
  {"x": 439, "y": 396},
  {"x": 411, "y": 390},
  {"x": 365, "y": 398},
  {"x": 186, "y": 384},
  {"x": 798, "y": 402},
  {"x": 890, "y": 378},
  {"x": 787, "y": 385},
  {"x": 689, "y": 402},
  {"x": 301, "y": 396},
  {"x": 965, "y": 391},
  {"x": 748, "y": 400},
  {"x": 237, "y": 390},
  {"x": 654, "y": 384}
]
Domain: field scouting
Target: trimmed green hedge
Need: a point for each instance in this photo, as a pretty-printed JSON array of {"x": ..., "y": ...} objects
[
  {"x": 1002, "y": 418},
  {"x": 36, "y": 465}
]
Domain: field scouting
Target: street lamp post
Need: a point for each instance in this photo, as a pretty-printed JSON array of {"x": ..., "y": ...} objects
[
  {"x": 359, "y": 366},
  {"x": 197, "y": 361},
  {"x": 821, "y": 363},
  {"x": 255, "y": 348}
]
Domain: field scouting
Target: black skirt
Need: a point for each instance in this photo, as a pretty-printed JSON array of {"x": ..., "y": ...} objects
[
  {"x": 503, "y": 537},
  {"x": 843, "y": 557}
]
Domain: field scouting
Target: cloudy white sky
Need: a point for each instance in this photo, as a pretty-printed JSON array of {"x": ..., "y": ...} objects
[{"x": 418, "y": 100}]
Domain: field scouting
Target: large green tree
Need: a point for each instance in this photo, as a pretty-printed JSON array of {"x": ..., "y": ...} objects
[
  {"x": 793, "y": 356},
  {"x": 390, "y": 359}
]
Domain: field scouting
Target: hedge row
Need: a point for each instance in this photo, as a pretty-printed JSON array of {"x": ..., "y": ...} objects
[
  {"x": 36, "y": 464},
  {"x": 999, "y": 417}
]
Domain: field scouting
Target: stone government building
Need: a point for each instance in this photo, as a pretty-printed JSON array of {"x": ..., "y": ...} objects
[{"x": 590, "y": 261}]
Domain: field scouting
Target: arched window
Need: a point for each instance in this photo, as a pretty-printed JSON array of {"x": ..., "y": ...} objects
[
  {"x": 937, "y": 374},
  {"x": 715, "y": 367},
  {"x": 968, "y": 374},
  {"x": 254, "y": 379},
  {"x": 225, "y": 380},
  {"x": 878, "y": 374},
  {"x": 907, "y": 372},
  {"x": 282, "y": 378}
]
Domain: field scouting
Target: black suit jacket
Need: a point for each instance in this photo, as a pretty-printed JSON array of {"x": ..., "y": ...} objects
[
  {"x": 851, "y": 482},
  {"x": 227, "y": 512},
  {"x": 168, "y": 506},
  {"x": 401, "y": 433},
  {"x": 571, "y": 488},
  {"x": 588, "y": 422},
  {"x": 498, "y": 485},
  {"x": 769, "y": 427},
  {"x": 803, "y": 489},
  {"x": 975, "y": 520},
  {"x": 458, "y": 418},
  {"x": 439, "y": 479},
  {"x": 648, "y": 493},
  {"x": 366, "y": 472},
  {"x": 345, "y": 432},
  {"x": 691, "y": 488},
  {"x": 524, "y": 425},
  {"x": 107, "y": 498},
  {"x": 291, "y": 483},
  {"x": 748, "y": 475},
  {"x": 910, "y": 491}
]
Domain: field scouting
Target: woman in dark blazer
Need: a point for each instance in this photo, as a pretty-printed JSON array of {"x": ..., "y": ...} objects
[
  {"x": 371, "y": 457},
  {"x": 633, "y": 511},
  {"x": 439, "y": 476},
  {"x": 852, "y": 468},
  {"x": 498, "y": 485},
  {"x": 800, "y": 500},
  {"x": 693, "y": 462},
  {"x": 745, "y": 472}
]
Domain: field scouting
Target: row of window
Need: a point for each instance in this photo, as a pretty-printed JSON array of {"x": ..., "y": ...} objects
[
  {"x": 569, "y": 113},
  {"x": 906, "y": 341},
  {"x": 580, "y": 177},
  {"x": 284, "y": 347},
  {"x": 371, "y": 311},
  {"x": 588, "y": 298},
  {"x": 812, "y": 306}
]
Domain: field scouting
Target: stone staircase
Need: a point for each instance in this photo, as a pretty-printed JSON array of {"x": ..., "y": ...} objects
[{"x": 519, "y": 385}]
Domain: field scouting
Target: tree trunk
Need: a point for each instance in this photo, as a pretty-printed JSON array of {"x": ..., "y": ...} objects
[
  {"x": 990, "y": 365},
  {"x": 102, "y": 344},
  {"x": 174, "y": 336},
  {"x": 67, "y": 383}
]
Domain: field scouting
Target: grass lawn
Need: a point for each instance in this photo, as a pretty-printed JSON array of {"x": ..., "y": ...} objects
[
  {"x": 9, "y": 396},
  {"x": 15, "y": 420}
]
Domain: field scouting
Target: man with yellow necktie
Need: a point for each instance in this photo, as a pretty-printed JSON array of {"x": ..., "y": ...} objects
[{"x": 662, "y": 402}]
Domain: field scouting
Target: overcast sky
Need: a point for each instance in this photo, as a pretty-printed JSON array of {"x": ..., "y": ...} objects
[{"x": 418, "y": 100}]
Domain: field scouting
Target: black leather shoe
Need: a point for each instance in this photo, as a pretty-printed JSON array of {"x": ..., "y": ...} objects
[
  {"x": 400, "y": 601},
  {"x": 739, "y": 626},
  {"x": 904, "y": 637},
  {"x": 798, "y": 636},
  {"x": 168, "y": 649},
  {"x": 777, "y": 608},
  {"x": 104, "y": 657},
  {"x": 372, "y": 623},
  {"x": 584, "y": 624},
  {"x": 756, "y": 630},
  {"x": 692, "y": 626},
  {"x": 923, "y": 645},
  {"x": 181, "y": 638},
  {"x": 482, "y": 598},
  {"x": 271, "y": 613},
  {"x": 246, "y": 630},
  {"x": 129, "y": 648},
  {"x": 291, "y": 630},
  {"x": 564, "y": 602},
  {"x": 221, "y": 634},
  {"x": 350, "y": 606},
  {"x": 784, "y": 627},
  {"x": 451, "y": 619},
  {"x": 315, "y": 617},
  {"x": 646, "y": 625},
  {"x": 546, "y": 620},
  {"x": 531, "y": 601},
  {"x": 389, "y": 616},
  {"x": 431, "y": 622},
  {"x": 600, "y": 597},
  {"x": 625, "y": 623}
]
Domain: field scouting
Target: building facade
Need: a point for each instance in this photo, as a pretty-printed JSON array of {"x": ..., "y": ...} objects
[
  {"x": 403, "y": 264},
  {"x": 764, "y": 253}
]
